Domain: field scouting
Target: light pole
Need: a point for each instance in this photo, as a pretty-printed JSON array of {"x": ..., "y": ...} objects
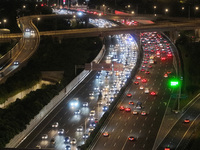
[
  {"x": 4, "y": 22},
  {"x": 38, "y": 19},
  {"x": 104, "y": 9},
  {"x": 154, "y": 8},
  {"x": 196, "y": 9},
  {"x": 166, "y": 11}
]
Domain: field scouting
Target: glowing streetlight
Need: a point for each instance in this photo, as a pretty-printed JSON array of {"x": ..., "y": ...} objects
[
  {"x": 132, "y": 12},
  {"x": 183, "y": 8},
  {"x": 196, "y": 8},
  {"x": 24, "y": 6},
  {"x": 129, "y": 6}
]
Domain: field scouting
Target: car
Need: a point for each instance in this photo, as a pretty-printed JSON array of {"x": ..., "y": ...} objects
[
  {"x": 163, "y": 58},
  {"x": 146, "y": 90},
  {"x": 142, "y": 70},
  {"x": 100, "y": 102},
  {"x": 136, "y": 82},
  {"x": 77, "y": 112},
  {"x": 91, "y": 129},
  {"x": 38, "y": 147},
  {"x": 135, "y": 112},
  {"x": 121, "y": 108},
  {"x": 147, "y": 72},
  {"x": 143, "y": 113},
  {"x": 96, "y": 120},
  {"x": 55, "y": 125},
  {"x": 127, "y": 109},
  {"x": 73, "y": 141},
  {"x": 169, "y": 72},
  {"x": 85, "y": 135},
  {"x": 144, "y": 80},
  {"x": 131, "y": 138},
  {"x": 61, "y": 131},
  {"x": 92, "y": 124},
  {"x": 129, "y": 95},
  {"x": 153, "y": 93},
  {"x": 141, "y": 87},
  {"x": 68, "y": 147},
  {"x": 186, "y": 121},
  {"x": 150, "y": 66},
  {"x": 74, "y": 102},
  {"x": 131, "y": 103},
  {"x": 79, "y": 129},
  {"x": 138, "y": 77},
  {"x": 165, "y": 75},
  {"x": 67, "y": 140},
  {"x": 85, "y": 104},
  {"x": 16, "y": 62},
  {"x": 91, "y": 93},
  {"x": 105, "y": 134},
  {"x": 151, "y": 61},
  {"x": 53, "y": 141},
  {"x": 44, "y": 136},
  {"x": 167, "y": 148},
  {"x": 105, "y": 108},
  {"x": 92, "y": 113}
]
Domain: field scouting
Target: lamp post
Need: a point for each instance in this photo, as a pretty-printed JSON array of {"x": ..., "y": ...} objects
[
  {"x": 38, "y": 19},
  {"x": 196, "y": 9},
  {"x": 154, "y": 8},
  {"x": 4, "y": 22},
  {"x": 166, "y": 11},
  {"x": 104, "y": 9}
]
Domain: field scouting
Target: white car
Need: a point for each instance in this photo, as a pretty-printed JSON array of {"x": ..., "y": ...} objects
[
  {"x": 73, "y": 141},
  {"x": 92, "y": 112},
  {"x": 77, "y": 112},
  {"x": 146, "y": 90},
  {"x": 44, "y": 136},
  {"x": 16, "y": 63},
  {"x": 80, "y": 129},
  {"x": 55, "y": 125},
  {"x": 61, "y": 131},
  {"x": 135, "y": 112},
  {"x": 141, "y": 87}
]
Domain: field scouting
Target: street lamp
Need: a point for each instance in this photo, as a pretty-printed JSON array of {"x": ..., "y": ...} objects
[
  {"x": 104, "y": 9},
  {"x": 4, "y": 22},
  {"x": 24, "y": 6},
  {"x": 166, "y": 11},
  {"x": 38, "y": 19},
  {"x": 132, "y": 12},
  {"x": 196, "y": 9}
]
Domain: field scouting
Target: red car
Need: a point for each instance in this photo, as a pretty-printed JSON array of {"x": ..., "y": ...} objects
[
  {"x": 144, "y": 80},
  {"x": 142, "y": 70},
  {"x": 153, "y": 93},
  {"x": 127, "y": 109},
  {"x": 163, "y": 58},
  {"x": 147, "y": 72},
  {"x": 165, "y": 75},
  {"x": 121, "y": 108},
  {"x": 131, "y": 103},
  {"x": 131, "y": 138},
  {"x": 136, "y": 82},
  {"x": 138, "y": 77},
  {"x": 150, "y": 66},
  {"x": 129, "y": 95},
  {"x": 186, "y": 121},
  {"x": 105, "y": 134}
]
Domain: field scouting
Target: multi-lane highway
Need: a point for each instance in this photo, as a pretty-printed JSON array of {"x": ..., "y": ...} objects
[
  {"x": 143, "y": 127},
  {"x": 77, "y": 119},
  {"x": 24, "y": 49}
]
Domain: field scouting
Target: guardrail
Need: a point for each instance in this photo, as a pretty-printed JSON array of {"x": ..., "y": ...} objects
[{"x": 52, "y": 104}]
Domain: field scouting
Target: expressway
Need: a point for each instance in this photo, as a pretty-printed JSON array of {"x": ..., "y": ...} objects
[
  {"x": 77, "y": 120},
  {"x": 180, "y": 134},
  {"x": 143, "y": 127},
  {"x": 23, "y": 50}
]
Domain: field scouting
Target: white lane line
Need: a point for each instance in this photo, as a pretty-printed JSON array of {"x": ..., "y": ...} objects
[
  {"x": 124, "y": 144},
  {"x": 113, "y": 130},
  {"x": 125, "y": 124},
  {"x": 143, "y": 124},
  {"x": 143, "y": 146},
  {"x": 116, "y": 123},
  {"x": 150, "y": 107},
  {"x": 149, "y": 131},
  {"x": 114, "y": 145},
  {"x": 131, "y": 130},
  {"x": 152, "y": 125},
  {"x": 122, "y": 130},
  {"x": 140, "y": 131},
  {"x": 158, "y": 107},
  {"x": 137, "y": 118},
  {"x": 104, "y": 144},
  {"x": 118, "y": 137},
  {"x": 128, "y": 118},
  {"x": 134, "y": 124},
  {"x": 147, "y": 138}
]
